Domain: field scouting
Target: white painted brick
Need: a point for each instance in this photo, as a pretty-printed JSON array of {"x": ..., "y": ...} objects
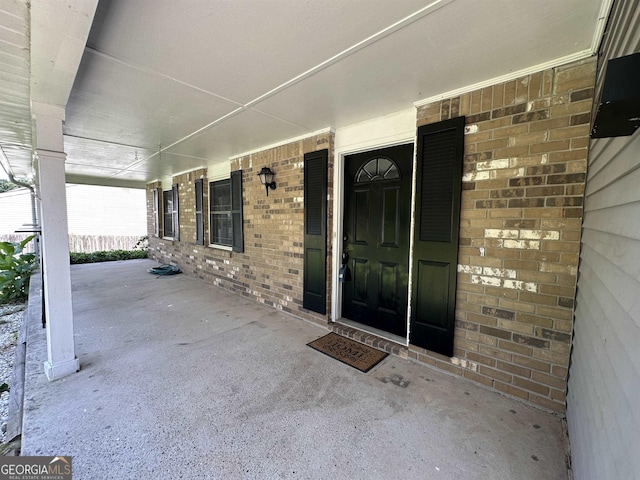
[
  {"x": 482, "y": 280},
  {"x": 522, "y": 244},
  {"x": 507, "y": 173},
  {"x": 513, "y": 284},
  {"x": 520, "y": 285},
  {"x": 500, "y": 233},
  {"x": 475, "y": 176},
  {"x": 493, "y": 164},
  {"x": 470, "y": 129},
  {"x": 558, "y": 268},
  {"x": 531, "y": 234},
  {"x": 540, "y": 234},
  {"x": 469, "y": 269},
  {"x": 551, "y": 235},
  {"x": 499, "y": 272},
  {"x": 461, "y": 362},
  {"x": 517, "y": 161}
]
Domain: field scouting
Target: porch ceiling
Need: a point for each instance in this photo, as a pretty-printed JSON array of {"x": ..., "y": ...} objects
[{"x": 207, "y": 79}]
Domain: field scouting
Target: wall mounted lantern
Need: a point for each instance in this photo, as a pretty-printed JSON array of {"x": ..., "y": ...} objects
[{"x": 266, "y": 178}]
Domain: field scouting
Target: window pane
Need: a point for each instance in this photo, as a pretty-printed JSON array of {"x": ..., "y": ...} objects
[
  {"x": 377, "y": 169},
  {"x": 221, "y": 229},
  {"x": 220, "y": 196},
  {"x": 167, "y": 210},
  {"x": 174, "y": 218}
]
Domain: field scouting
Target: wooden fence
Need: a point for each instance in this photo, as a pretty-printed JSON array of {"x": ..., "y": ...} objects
[{"x": 85, "y": 243}]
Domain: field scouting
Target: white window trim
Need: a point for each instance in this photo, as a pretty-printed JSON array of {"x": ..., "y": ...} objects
[{"x": 217, "y": 246}]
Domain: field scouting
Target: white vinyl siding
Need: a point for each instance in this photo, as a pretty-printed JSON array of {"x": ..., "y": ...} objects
[
  {"x": 91, "y": 210},
  {"x": 603, "y": 395}
]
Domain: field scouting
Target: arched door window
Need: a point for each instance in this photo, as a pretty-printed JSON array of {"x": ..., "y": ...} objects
[{"x": 381, "y": 168}]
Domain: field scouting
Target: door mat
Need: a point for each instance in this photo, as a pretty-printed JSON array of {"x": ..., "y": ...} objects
[{"x": 348, "y": 351}]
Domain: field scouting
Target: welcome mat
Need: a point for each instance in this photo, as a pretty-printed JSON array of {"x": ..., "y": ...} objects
[{"x": 348, "y": 351}]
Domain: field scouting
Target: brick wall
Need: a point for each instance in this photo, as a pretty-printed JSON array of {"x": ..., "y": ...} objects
[
  {"x": 523, "y": 185},
  {"x": 270, "y": 268}
]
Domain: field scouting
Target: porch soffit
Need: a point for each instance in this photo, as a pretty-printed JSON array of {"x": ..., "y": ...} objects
[{"x": 206, "y": 80}]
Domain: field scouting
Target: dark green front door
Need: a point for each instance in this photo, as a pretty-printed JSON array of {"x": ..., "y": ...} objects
[{"x": 376, "y": 237}]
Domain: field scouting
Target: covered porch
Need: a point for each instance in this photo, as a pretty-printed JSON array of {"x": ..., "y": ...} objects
[{"x": 178, "y": 379}]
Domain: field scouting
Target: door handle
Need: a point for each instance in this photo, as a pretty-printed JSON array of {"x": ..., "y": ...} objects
[
  {"x": 344, "y": 275},
  {"x": 345, "y": 250}
]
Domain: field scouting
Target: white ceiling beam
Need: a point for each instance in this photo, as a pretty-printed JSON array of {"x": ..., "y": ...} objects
[
  {"x": 104, "y": 181},
  {"x": 59, "y": 32}
]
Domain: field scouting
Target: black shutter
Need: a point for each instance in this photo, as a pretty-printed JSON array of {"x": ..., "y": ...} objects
[
  {"x": 176, "y": 221},
  {"x": 315, "y": 232},
  {"x": 236, "y": 211},
  {"x": 199, "y": 212},
  {"x": 435, "y": 260}
]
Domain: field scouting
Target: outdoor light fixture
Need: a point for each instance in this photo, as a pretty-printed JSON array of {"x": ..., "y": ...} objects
[{"x": 266, "y": 178}]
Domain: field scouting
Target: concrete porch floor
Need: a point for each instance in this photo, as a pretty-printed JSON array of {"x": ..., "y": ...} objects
[{"x": 180, "y": 379}]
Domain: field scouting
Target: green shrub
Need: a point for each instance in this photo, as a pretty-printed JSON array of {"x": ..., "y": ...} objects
[
  {"x": 15, "y": 270},
  {"x": 108, "y": 256}
]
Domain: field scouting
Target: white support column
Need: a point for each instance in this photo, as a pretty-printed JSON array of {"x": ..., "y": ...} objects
[{"x": 61, "y": 358}]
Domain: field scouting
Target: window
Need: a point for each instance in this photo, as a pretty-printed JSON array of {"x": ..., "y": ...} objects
[
  {"x": 220, "y": 224},
  {"x": 225, "y": 211},
  {"x": 170, "y": 213},
  {"x": 167, "y": 209},
  {"x": 156, "y": 211},
  {"x": 381, "y": 168},
  {"x": 199, "y": 212}
]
